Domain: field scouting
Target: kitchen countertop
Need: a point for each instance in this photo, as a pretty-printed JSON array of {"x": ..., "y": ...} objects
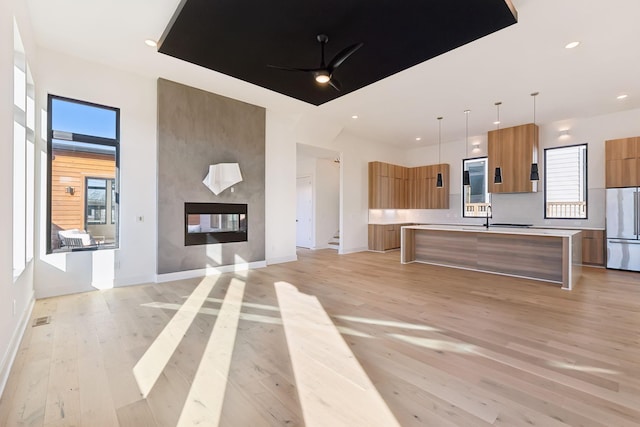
[
  {"x": 551, "y": 227},
  {"x": 500, "y": 230}
]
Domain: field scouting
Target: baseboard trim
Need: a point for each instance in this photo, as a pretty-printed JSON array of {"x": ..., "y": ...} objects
[
  {"x": 209, "y": 271},
  {"x": 12, "y": 350},
  {"x": 353, "y": 250},
  {"x": 134, "y": 281},
  {"x": 281, "y": 260}
]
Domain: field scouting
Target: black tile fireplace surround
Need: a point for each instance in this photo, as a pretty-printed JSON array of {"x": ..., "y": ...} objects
[{"x": 210, "y": 223}]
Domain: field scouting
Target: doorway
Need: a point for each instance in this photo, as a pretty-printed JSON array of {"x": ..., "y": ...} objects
[
  {"x": 304, "y": 212},
  {"x": 319, "y": 178}
]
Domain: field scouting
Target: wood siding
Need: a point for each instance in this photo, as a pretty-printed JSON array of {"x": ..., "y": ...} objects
[{"x": 70, "y": 169}]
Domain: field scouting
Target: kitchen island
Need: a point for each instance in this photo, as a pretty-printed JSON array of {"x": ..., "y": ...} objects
[{"x": 549, "y": 255}]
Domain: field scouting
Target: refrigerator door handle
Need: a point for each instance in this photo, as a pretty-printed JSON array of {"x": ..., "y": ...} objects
[
  {"x": 625, "y": 242},
  {"x": 637, "y": 213}
]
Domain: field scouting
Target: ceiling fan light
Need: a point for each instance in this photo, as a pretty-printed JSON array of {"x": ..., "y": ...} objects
[{"x": 322, "y": 77}]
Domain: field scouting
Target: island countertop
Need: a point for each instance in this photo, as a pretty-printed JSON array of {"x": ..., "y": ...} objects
[
  {"x": 532, "y": 231},
  {"x": 550, "y": 255}
]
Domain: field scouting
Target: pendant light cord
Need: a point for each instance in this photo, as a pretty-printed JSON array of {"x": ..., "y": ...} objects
[
  {"x": 439, "y": 138},
  {"x": 466, "y": 133}
]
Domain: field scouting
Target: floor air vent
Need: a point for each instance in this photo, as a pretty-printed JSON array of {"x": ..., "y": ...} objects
[{"x": 42, "y": 321}]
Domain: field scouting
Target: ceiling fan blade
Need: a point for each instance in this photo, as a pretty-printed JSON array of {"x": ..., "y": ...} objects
[
  {"x": 305, "y": 70},
  {"x": 344, "y": 54},
  {"x": 335, "y": 84}
]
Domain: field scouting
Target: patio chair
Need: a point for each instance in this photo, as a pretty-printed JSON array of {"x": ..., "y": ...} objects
[{"x": 75, "y": 238}]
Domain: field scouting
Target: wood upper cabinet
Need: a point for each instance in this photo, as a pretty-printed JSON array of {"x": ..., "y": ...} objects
[
  {"x": 513, "y": 150},
  {"x": 388, "y": 186},
  {"x": 622, "y": 166},
  {"x": 439, "y": 196},
  {"x": 398, "y": 187}
]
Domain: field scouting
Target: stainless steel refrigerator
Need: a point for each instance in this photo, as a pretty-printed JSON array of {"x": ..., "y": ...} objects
[{"x": 623, "y": 228}]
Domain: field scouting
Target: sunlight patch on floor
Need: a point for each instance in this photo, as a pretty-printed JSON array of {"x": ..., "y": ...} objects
[
  {"x": 582, "y": 368},
  {"x": 154, "y": 360},
  {"x": 390, "y": 323},
  {"x": 215, "y": 312},
  {"x": 206, "y": 395},
  {"x": 333, "y": 388},
  {"x": 438, "y": 345}
]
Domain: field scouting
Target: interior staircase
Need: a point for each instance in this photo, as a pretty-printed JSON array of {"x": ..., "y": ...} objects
[{"x": 334, "y": 243}]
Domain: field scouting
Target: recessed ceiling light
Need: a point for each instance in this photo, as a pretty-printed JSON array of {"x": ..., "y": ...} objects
[
  {"x": 571, "y": 45},
  {"x": 151, "y": 43},
  {"x": 623, "y": 96},
  {"x": 496, "y": 122},
  {"x": 418, "y": 139},
  {"x": 354, "y": 117}
]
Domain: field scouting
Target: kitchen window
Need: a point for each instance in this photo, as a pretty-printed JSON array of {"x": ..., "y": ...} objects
[
  {"x": 475, "y": 197},
  {"x": 565, "y": 184}
]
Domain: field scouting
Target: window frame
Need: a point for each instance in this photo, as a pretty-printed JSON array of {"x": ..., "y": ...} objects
[
  {"x": 486, "y": 186},
  {"x": 586, "y": 182},
  {"x": 76, "y": 137}
]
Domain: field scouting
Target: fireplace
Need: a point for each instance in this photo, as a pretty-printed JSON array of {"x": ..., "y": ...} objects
[{"x": 206, "y": 223}]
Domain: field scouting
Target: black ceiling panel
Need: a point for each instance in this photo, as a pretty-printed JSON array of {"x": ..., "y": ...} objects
[{"x": 241, "y": 38}]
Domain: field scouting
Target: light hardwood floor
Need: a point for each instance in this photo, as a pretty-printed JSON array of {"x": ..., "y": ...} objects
[{"x": 440, "y": 347}]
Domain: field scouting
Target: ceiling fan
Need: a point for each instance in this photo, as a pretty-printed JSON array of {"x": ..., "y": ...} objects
[{"x": 324, "y": 73}]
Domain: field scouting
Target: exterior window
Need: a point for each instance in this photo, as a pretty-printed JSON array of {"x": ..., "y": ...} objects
[
  {"x": 565, "y": 186},
  {"x": 475, "y": 196},
  {"x": 23, "y": 157},
  {"x": 100, "y": 201},
  {"x": 83, "y": 157}
]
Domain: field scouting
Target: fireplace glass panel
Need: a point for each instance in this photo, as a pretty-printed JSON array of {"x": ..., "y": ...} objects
[
  {"x": 207, "y": 223},
  {"x": 218, "y": 223}
]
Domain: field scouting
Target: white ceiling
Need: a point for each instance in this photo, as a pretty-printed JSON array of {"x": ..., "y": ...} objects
[{"x": 506, "y": 66}]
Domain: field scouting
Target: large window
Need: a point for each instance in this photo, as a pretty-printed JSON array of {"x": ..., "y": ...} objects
[
  {"x": 83, "y": 157},
  {"x": 23, "y": 157},
  {"x": 565, "y": 186},
  {"x": 475, "y": 197}
]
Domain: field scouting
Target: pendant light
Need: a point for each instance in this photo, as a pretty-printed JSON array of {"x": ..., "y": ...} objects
[
  {"x": 439, "y": 177},
  {"x": 534, "y": 175},
  {"x": 466, "y": 179},
  {"x": 497, "y": 177}
]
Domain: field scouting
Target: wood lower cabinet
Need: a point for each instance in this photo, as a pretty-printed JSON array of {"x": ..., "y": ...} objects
[
  {"x": 384, "y": 237},
  {"x": 622, "y": 167},
  {"x": 593, "y": 247}
]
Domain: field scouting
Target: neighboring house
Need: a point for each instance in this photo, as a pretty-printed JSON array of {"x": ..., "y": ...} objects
[{"x": 82, "y": 194}]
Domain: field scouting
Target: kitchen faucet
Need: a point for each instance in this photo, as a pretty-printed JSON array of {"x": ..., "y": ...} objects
[{"x": 489, "y": 211}]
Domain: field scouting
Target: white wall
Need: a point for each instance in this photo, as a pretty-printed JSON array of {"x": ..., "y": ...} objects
[
  {"x": 327, "y": 197},
  {"x": 325, "y": 178},
  {"x": 135, "y": 260},
  {"x": 283, "y": 132},
  {"x": 280, "y": 188},
  {"x": 16, "y": 294}
]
